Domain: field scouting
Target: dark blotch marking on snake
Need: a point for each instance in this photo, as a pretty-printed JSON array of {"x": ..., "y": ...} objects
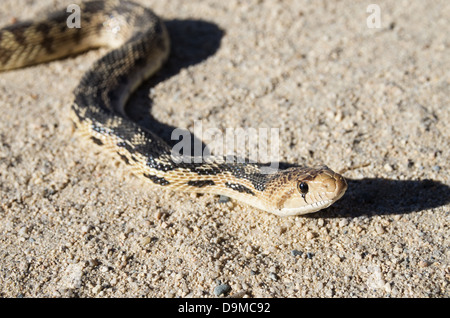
[
  {"x": 97, "y": 141},
  {"x": 157, "y": 180},
  {"x": 239, "y": 187},
  {"x": 200, "y": 183},
  {"x": 127, "y": 146},
  {"x": 44, "y": 28},
  {"x": 19, "y": 32},
  {"x": 124, "y": 158}
]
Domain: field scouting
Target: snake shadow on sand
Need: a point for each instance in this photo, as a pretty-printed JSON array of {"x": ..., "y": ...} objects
[
  {"x": 379, "y": 196},
  {"x": 193, "y": 41}
]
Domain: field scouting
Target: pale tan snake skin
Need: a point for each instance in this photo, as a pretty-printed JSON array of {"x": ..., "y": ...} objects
[{"x": 140, "y": 45}]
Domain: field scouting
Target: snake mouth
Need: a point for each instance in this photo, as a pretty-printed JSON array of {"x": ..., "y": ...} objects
[
  {"x": 320, "y": 204},
  {"x": 310, "y": 208}
]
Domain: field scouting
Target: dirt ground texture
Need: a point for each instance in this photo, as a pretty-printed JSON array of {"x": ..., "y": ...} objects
[{"x": 373, "y": 102}]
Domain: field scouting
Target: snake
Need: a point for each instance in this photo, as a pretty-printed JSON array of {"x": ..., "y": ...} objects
[{"x": 139, "y": 45}]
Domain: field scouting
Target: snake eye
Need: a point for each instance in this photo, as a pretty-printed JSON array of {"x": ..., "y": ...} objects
[{"x": 303, "y": 187}]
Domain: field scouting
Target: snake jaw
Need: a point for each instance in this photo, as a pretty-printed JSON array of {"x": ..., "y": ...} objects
[{"x": 324, "y": 188}]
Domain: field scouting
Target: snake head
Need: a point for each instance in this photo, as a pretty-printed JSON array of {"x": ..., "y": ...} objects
[{"x": 308, "y": 190}]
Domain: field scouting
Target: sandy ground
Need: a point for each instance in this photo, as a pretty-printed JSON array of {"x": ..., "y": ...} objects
[{"x": 375, "y": 102}]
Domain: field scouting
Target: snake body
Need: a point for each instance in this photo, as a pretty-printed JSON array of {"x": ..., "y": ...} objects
[{"x": 140, "y": 45}]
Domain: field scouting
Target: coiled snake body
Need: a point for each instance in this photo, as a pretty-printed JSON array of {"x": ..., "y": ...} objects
[{"x": 140, "y": 45}]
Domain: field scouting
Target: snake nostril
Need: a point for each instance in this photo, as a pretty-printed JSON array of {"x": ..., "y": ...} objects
[{"x": 341, "y": 183}]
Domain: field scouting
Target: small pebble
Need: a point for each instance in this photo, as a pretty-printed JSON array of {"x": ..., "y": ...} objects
[
  {"x": 423, "y": 263},
  {"x": 436, "y": 168},
  {"x": 221, "y": 289},
  {"x": 122, "y": 236},
  {"x": 97, "y": 289},
  {"x": 93, "y": 262},
  {"x": 310, "y": 235},
  {"x": 224, "y": 199},
  {"x": 379, "y": 229},
  {"x": 23, "y": 231},
  {"x": 273, "y": 276},
  {"x": 296, "y": 253},
  {"x": 335, "y": 258},
  {"x": 145, "y": 240},
  {"x": 85, "y": 229}
]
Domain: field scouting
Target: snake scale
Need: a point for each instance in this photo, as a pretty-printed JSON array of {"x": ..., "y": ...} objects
[{"x": 140, "y": 44}]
